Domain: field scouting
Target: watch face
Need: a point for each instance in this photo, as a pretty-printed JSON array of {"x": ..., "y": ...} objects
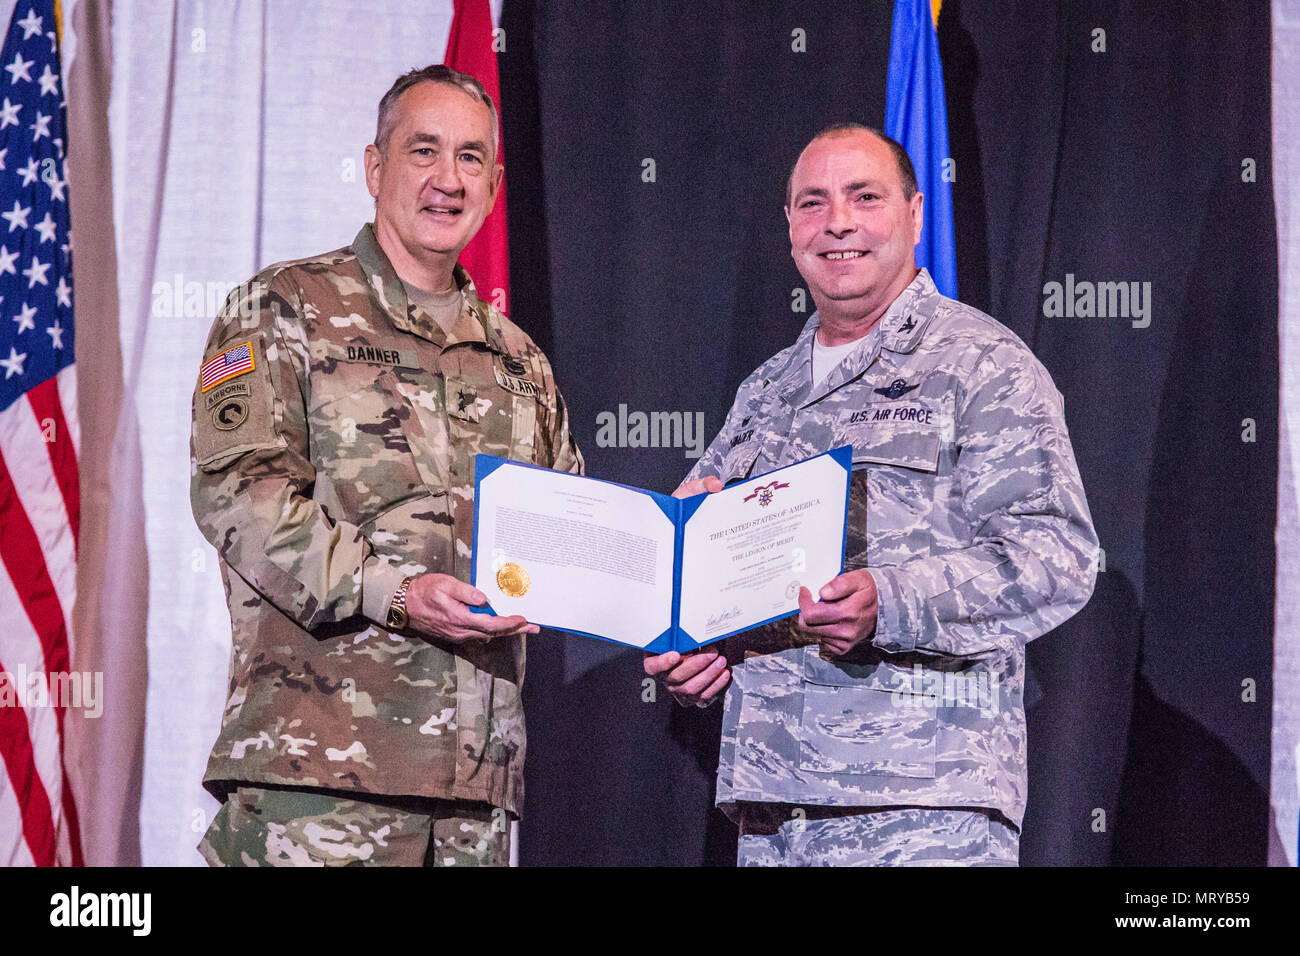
[{"x": 397, "y": 619}]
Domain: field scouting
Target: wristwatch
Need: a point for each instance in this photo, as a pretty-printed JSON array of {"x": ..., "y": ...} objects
[{"x": 397, "y": 616}]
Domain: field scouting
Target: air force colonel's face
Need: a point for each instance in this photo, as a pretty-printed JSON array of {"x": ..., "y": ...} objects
[
  {"x": 437, "y": 178},
  {"x": 852, "y": 233}
]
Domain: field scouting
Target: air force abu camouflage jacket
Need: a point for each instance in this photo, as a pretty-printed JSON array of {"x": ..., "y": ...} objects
[
  {"x": 967, "y": 509},
  {"x": 335, "y": 428}
]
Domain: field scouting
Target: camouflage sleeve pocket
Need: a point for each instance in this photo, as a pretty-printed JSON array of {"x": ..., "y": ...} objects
[{"x": 234, "y": 406}]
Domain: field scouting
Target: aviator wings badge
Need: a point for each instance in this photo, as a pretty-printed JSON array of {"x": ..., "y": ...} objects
[{"x": 897, "y": 389}]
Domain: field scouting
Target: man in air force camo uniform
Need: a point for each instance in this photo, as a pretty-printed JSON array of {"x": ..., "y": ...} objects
[
  {"x": 886, "y": 724},
  {"x": 372, "y": 718}
]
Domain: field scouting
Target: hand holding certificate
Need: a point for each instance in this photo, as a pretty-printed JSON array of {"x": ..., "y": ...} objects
[{"x": 651, "y": 571}]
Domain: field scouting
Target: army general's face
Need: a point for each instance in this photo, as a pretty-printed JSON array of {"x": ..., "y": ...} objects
[
  {"x": 852, "y": 234},
  {"x": 437, "y": 179}
]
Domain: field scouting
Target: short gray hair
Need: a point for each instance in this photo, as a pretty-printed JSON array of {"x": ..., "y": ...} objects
[{"x": 437, "y": 73}]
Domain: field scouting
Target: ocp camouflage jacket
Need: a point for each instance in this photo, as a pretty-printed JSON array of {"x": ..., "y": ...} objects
[{"x": 332, "y": 458}]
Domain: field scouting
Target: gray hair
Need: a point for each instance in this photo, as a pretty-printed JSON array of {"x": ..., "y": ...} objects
[{"x": 438, "y": 73}]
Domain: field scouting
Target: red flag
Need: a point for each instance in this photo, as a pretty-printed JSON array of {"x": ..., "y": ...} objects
[{"x": 469, "y": 49}]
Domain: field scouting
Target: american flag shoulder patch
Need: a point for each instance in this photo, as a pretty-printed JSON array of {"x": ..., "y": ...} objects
[{"x": 225, "y": 365}]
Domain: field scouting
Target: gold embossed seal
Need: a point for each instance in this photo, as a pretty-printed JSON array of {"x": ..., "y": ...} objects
[{"x": 513, "y": 580}]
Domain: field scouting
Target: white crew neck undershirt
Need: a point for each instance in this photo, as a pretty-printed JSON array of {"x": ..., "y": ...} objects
[{"x": 826, "y": 357}]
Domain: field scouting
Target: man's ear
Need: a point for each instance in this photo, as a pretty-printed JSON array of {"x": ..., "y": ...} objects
[
  {"x": 373, "y": 161},
  {"x": 917, "y": 211},
  {"x": 494, "y": 189}
]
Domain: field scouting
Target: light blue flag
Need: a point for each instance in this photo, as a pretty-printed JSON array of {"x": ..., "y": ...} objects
[{"x": 916, "y": 116}]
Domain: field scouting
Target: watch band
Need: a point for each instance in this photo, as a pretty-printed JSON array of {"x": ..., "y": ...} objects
[{"x": 398, "y": 619}]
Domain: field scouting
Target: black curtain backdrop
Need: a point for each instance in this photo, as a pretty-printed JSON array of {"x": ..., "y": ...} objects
[{"x": 1122, "y": 165}]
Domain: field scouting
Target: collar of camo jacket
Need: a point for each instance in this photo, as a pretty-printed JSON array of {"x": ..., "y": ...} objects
[
  {"x": 390, "y": 294},
  {"x": 899, "y": 330},
  {"x": 903, "y": 323}
]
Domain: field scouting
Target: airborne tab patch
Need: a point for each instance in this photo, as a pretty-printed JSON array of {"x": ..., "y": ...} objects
[{"x": 223, "y": 366}]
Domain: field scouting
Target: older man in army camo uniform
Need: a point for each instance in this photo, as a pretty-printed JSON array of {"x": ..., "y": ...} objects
[
  {"x": 372, "y": 717},
  {"x": 886, "y": 724}
]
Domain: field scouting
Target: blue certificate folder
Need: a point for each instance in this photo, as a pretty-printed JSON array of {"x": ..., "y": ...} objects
[{"x": 680, "y": 513}]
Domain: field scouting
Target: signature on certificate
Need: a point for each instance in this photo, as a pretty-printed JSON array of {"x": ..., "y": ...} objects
[{"x": 715, "y": 621}]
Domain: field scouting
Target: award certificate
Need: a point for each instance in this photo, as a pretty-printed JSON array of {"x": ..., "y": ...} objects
[{"x": 649, "y": 570}]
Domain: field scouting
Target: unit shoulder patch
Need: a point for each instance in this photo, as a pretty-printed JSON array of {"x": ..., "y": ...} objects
[{"x": 231, "y": 417}]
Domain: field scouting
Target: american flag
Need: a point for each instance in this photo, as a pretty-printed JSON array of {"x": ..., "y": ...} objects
[
  {"x": 39, "y": 497},
  {"x": 233, "y": 361}
]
